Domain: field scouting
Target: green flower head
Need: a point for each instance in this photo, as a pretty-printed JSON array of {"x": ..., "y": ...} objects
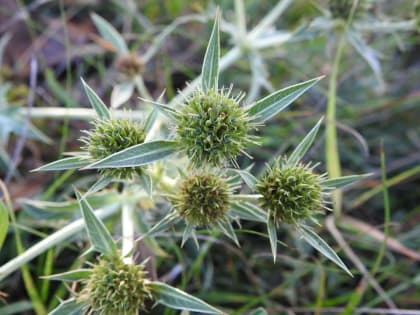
[
  {"x": 203, "y": 199},
  {"x": 212, "y": 128},
  {"x": 116, "y": 288},
  {"x": 111, "y": 136},
  {"x": 291, "y": 192}
]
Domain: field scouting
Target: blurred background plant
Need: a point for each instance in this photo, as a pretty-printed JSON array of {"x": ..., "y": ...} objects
[{"x": 158, "y": 46}]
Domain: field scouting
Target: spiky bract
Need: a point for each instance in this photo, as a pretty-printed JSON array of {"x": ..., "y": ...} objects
[
  {"x": 202, "y": 199},
  {"x": 116, "y": 288},
  {"x": 111, "y": 136},
  {"x": 291, "y": 192},
  {"x": 212, "y": 128}
]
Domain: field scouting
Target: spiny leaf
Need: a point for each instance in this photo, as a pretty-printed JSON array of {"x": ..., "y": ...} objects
[
  {"x": 248, "y": 211},
  {"x": 96, "y": 102},
  {"x": 272, "y": 235},
  {"x": 163, "y": 224},
  {"x": 228, "y": 230},
  {"x": 274, "y": 103},
  {"x": 305, "y": 144},
  {"x": 320, "y": 245},
  {"x": 138, "y": 155},
  {"x": 69, "y": 307},
  {"x": 98, "y": 234},
  {"x": 177, "y": 299},
  {"x": 109, "y": 33},
  {"x": 210, "y": 70},
  {"x": 121, "y": 93},
  {"x": 99, "y": 185},
  {"x": 65, "y": 164},
  {"x": 72, "y": 275},
  {"x": 343, "y": 181}
]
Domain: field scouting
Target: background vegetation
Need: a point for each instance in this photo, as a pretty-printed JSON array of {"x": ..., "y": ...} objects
[{"x": 373, "y": 88}]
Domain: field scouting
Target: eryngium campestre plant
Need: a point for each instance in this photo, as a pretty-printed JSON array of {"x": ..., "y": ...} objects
[
  {"x": 212, "y": 128},
  {"x": 291, "y": 192},
  {"x": 109, "y": 136},
  {"x": 116, "y": 288},
  {"x": 202, "y": 199}
]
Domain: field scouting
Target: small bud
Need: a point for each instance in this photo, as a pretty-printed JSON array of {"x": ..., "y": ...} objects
[
  {"x": 111, "y": 136},
  {"x": 130, "y": 65},
  {"x": 212, "y": 128},
  {"x": 292, "y": 193},
  {"x": 116, "y": 288},
  {"x": 202, "y": 199}
]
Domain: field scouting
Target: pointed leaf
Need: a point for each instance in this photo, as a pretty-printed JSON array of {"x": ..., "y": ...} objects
[
  {"x": 98, "y": 234},
  {"x": 274, "y": 103},
  {"x": 210, "y": 70},
  {"x": 109, "y": 33},
  {"x": 258, "y": 311},
  {"x": 146, "y": 183},
  {"x": 320, "y": 245},
  {"x": 272, "y": 235},
  {"x": 189, "y": 229},
  {"x": 167, "y": 111},
  {"x": 99, "y": 185},
  {"x": 69, "y": 307},
  {"x": 4, "y": 222},
  {"x": 177, "y": 299},
  {"x": 121, "y": 93},
  {"x": 96, "y": 102},
  {"x": 248, "y": 211},
  {"x": 305, "y": 144},
  {"x": 138, "y": 155},
  {"x": 72, "y": 275},
  {"x": 228, "y": 230},
  {"x": 343, "y": 181},
  {"x": 65, "y": 164},
  {"x": 150, "y": 120},
  {"x": 162, "y": 225},
  {"x": 247, "y": 177}
]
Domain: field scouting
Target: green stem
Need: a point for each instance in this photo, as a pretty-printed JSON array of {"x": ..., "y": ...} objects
[
  {"x": 331, "y": 147},
  {"x": 127, "y": 223}
]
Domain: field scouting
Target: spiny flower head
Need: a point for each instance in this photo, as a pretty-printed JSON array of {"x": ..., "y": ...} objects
[
  {"x": 212, "y": 128},
  {"x": 116, "y": 288},
  {"x": 109, "y": 136},
  {"x": 203, "y": 198},
  {"x": 291, "y": 192},
  {"x": 341, "y": 9}
]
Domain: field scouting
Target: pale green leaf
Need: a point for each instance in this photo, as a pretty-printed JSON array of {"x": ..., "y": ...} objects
[
  {"x": 210, "y": 69},
  {"x": 96, "y": 102},
  {"x": 121, "y": 93},
  {"x": 98, "y": 234},
  {"x": 188, "y": 231},
  {"x": 17, "y": 308},
  {"x": 274, "y": 103},
  {"x": 4, "y": 222},
  {"x": 305, "y": 144},
  {"x": 177, "y": 299},
  {"x": 248, "y": 211},
  {"x": 146, "y": 183},
  {"x": 320, "y": 245},
  {"x": 138, "y": 155},
  {"x": 109, "y": 33},
  {"x": 72, "y": 275},
  {"x": 65, "y": 164},
  {"x": 165, "y": 110},
  {"x": 99, "y": 185},
  {"x": 69, "y": 307},
  {"x": 168, "y": 220},
  {"x": 228, "y": 230},
  {"x": 247, "y": 177},
  {"x": 258, "y": 311},
  {"x": 343, "y": 181},
  {"x": 150, "y": 120},
  {"x": 272, "y": 235}
]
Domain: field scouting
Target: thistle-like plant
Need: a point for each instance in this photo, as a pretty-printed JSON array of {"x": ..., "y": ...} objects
[{"x": 114, "y": 286}]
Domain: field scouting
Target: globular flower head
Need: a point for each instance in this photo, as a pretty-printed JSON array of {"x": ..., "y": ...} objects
[
  {"x": 341, "y": 9},
  {"x": 212, "y": 128},
  {"x": 202, "y": 198},
  {"x": 130, "y": 65},
  {"x": 116, "y": 288},
  {"x": 111, "y": 136},
  {"x": 291, "y": 192}
]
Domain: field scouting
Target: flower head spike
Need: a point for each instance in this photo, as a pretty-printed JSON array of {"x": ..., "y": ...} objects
[
  {"x": 109, "y": 136},
  {"x": 114, "y": 287}
]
